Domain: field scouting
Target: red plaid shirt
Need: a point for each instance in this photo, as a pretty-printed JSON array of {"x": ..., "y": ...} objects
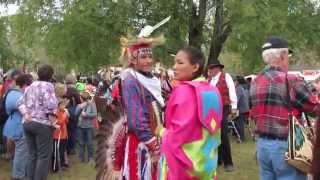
[{"x": 270, "y": 101}]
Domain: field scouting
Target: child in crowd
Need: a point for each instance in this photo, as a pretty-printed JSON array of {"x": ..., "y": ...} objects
[
  {"x": 60, "y": 136},
  {"x": 87, "y": 113}
]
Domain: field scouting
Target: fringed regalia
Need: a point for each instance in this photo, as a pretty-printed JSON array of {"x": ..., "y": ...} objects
[
  {"x": 142, "y": 143},
  {"x": 131, "y": 148}
]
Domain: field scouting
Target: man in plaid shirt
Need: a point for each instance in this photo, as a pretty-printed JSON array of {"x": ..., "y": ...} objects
[{"x": 270, "y": 109}]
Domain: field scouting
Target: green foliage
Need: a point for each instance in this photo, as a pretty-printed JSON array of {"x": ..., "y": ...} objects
[
  {"x": 175, "y": 31},
  {"x": 6, "y": 54},
  {"x": 86, "y": 37},
  {"x": 295, "y": 20},
  {"x": 85, "y": 34}
]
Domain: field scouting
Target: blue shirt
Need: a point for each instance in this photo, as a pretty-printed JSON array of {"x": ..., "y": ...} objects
[
  {"x": 91, "y": 113},
  {"x": 13, "y": 128},
  {"x": 243, "y": 99}
]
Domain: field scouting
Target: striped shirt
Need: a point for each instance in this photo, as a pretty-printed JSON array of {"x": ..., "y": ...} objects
[{"x": 136, "y": 100}]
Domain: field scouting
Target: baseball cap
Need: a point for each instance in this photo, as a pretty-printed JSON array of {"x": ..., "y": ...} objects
[{"x": 275, "y": 42}]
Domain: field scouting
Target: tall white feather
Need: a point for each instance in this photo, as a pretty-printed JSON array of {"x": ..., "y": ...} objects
[{"x": 147, "y": 30}]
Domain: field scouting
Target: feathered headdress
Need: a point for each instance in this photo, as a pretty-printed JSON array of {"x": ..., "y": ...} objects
[{"x": 130, "y": 47}]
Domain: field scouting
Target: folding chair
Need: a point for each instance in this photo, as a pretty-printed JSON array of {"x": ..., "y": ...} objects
[{"x": 232, "y": 127}]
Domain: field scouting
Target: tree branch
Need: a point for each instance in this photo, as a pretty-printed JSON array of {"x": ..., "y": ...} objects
[{"x": 196, "y": 25}]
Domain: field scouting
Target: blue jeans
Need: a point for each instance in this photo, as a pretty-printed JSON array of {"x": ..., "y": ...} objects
[
  {"x": 2, "y": 140},
  {"x": 272, "y": 164},
  {"x": 72, "y": 134},
  {"x": 86, "y": 141},
  {"x": 20, "y": 158},
  {"x": 239, "y": 122}
]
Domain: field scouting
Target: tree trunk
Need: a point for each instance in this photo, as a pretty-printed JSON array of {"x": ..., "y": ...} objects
[
  {"x": 196, "y": 24},
  {"x": 220, "y": 34}
]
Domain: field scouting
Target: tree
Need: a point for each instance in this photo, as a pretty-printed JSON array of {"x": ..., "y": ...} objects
[
  {"x": 85, "y": 34},
  {"x": 6, "y": 55},
  {"x": 294, "y": 20},
  {"x": 197, "y": 22}
]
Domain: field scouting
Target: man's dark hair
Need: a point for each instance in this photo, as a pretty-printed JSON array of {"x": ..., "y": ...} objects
[
  {"x": 78, "y": 77},
  {"x": 45, "y": 73},
  {"x": 89, "y": 80},
  {"x": 195, "y": 57},
  {"x": 24, "y": 80},
  {"x": 15, "y": 73},
  {"x": 241, "y": 80}
]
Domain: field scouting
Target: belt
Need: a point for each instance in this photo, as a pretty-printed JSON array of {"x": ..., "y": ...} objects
[{"x": 272, "y": 137}]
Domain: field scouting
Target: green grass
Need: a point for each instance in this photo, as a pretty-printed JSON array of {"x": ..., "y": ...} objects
[
  {"x": 77, "y": 171},
  {"x": 243, "y": 157},
  {"x": 246, "y": 167}
]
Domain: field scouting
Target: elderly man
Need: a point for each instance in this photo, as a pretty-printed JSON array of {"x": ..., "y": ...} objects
[{"x": 270, "y": 109}]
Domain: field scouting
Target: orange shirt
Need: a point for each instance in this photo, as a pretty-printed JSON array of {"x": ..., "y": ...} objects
[{"x": 62, "y": 120}]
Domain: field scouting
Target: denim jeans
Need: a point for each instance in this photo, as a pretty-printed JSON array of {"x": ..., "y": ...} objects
[
  {"x": 239, "y": 122},
  {"x": 20, "y": 159},
  {"x": 272, "y": 164},
  {"x": 40, "y": 145},
  {"x": 86, "y": 141},
  {"x": 2, "y": 140},
  {"x": 72, "y": 134}
]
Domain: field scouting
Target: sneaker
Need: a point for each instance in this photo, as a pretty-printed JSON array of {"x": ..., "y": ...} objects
[
  {"x": 63, "y": 168},
  {"x": 229, "y": 168},
  {"x": 55, "y": 170},
  {"x": 72, "y": 152},
  {"x": 91, "y": 162},
  {"x": 65, "y": 165},
  {"x": 82, "y": 160},
  {"x": 8, "y": 156}
]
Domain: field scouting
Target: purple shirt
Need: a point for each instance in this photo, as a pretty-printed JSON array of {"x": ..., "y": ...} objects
[{"x": 39, "y": 101}]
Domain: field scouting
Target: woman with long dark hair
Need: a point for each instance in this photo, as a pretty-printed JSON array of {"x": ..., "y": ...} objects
[{"x": 193, "y": 115}]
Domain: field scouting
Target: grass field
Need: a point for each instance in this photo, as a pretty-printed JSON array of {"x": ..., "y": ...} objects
[{"x": 243, "y": 157}]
